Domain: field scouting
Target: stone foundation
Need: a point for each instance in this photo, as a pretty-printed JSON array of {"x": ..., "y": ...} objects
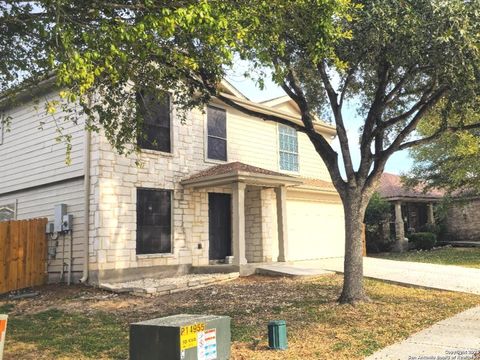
[{"x": 158, "y": 287}]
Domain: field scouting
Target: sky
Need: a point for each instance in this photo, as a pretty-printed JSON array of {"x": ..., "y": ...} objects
[{"x": 399, "y": 163}]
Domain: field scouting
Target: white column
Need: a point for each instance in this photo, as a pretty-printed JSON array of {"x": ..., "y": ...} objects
[
  {"x": 238, "y": 223},
  {"x": 430, "y": 216},
  {"x": 281, "y": 195}
]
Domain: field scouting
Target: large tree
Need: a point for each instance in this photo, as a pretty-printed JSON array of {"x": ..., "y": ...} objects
[{"x": 399, "y": 59}]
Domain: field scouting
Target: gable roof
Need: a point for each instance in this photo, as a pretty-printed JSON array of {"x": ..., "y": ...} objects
[
  {"x": 238, "y": 171},
  {"x": 391, "y": 188},
  {"x": 234, "y": 166},
  {"x": 232, "y": 90}
]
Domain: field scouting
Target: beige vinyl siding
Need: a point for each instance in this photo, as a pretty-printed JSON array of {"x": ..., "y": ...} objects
[
  {"x": 251, "y": 141},
  {"x": 255, "y": 142},
  {"x": 310, "y": 162},
  {"x": 30, "y": 156},
  {"x": 39, "y": 202}
]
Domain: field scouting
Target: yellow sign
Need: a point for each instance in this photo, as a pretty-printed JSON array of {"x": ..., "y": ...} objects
[{"x": 188, "y": 335}]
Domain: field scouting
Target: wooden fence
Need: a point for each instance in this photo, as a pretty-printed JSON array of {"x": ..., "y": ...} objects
[{"x": 23, "y": 254}]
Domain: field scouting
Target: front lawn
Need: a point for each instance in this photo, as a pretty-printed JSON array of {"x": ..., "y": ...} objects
[
  {"x": 469, "y": 257},
  {"x": 84, "y": 323}
]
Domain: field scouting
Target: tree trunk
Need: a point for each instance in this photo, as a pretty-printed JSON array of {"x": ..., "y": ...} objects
[{"x": 353, "y": 290}]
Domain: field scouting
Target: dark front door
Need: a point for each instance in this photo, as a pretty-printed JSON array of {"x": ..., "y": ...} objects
[{"x": 220, "y": 226}]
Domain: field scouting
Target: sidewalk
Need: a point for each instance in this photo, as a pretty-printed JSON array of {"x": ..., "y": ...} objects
[{"x": 455, "y": 338}]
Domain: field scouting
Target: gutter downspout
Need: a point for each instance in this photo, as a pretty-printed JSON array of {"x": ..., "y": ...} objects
[{"x": 86, "y": 214}]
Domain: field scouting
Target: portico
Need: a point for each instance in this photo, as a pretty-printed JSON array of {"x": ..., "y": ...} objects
[
  {"x": 258, "y": 208},
  {"x": 412, "y": 209}
]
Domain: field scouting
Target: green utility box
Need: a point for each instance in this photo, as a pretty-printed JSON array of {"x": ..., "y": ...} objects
[
  {"x": 181, "y": 337},
  {"x": 277, "y": 335}
]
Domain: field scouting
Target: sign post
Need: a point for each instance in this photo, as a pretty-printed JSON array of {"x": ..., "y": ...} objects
[{"x": 3, "y": 332}]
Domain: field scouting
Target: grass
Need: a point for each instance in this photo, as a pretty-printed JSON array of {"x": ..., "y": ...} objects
[
  {"x": 96, "y": 326},
  {"x": 100, "y": 335},
  {"x": 468, "y": 257}
]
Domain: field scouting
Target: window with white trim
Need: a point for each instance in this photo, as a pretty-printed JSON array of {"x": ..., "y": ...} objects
[{"x": 288, "y": 148}]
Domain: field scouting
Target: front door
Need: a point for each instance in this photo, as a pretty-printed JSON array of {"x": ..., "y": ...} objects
[{"x": 220, "y": 226}]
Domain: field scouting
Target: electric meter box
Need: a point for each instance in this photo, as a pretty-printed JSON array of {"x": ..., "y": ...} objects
[
  {"x": 181, "y": 337},
  {"x": 59, "y": 212}
]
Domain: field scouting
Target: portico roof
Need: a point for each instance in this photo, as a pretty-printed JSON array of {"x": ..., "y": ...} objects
[
  {"x": 391, "y": 188},
  {"x": 239, "y": 172}
]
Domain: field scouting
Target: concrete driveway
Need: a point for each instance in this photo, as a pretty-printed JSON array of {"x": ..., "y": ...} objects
[{"x": 444, "y": 277}]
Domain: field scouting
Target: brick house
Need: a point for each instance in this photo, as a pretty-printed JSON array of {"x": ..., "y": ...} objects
[
  {"x": 222, "y": 186},
  {"x": 411, "y": 209}
]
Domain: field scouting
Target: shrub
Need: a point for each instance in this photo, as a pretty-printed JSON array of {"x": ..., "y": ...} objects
[
  {"x": 378, "y": 240},
  {"x": 377, "y": 216},
  {"x": 423, "y": 240}
]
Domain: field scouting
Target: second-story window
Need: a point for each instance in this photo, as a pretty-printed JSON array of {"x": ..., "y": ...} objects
[
  {"x": 155, "y": 112},
  {"x": 288, "y": 148},
  {"x": 217, "y": 133}
]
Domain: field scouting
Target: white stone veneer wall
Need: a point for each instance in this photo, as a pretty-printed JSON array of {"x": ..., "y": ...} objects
[
  {"x": 269, "y": 225},
  {"x": 253, "y": 224},
  {"x": 115, "y": 179}
]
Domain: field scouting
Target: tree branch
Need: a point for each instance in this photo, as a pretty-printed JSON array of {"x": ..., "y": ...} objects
[
  {"x": 373, "y": 115},
  {"x": 258, "y": 114},
  {"x": 348, "y": 79},
  {"x": 324, "y": 149},
  {"x": 382, "y": 157},
  {"x": 437, "y": 134},
  {"x": 414, "y": 122},
  {"x": 341, "y": 131}
]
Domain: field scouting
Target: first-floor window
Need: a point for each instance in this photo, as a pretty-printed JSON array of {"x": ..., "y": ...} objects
[{"x": 154, "y": 221}]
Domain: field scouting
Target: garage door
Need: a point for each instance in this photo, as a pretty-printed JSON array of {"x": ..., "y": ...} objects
[{"x": 315, "y": 229}]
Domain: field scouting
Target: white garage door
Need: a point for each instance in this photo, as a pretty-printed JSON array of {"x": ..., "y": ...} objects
[{"x": 315, "y": 229}]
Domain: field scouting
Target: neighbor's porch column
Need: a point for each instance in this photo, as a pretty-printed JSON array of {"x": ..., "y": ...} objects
[
  {"x": 430, "y": 216},
  {"x": 281, "y": 195},
  {"x": 399, "y": 228},
  {"x": 238, "y": 223}
]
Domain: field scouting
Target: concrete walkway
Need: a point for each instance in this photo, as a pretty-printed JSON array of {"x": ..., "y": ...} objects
[
  {"x": 452, "y": 339},
  {"x": 290, "y": 270},
  {"x": 444, "y": 277}
]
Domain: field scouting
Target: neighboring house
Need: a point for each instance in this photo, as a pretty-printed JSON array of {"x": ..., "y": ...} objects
[
  {"x": 222, "y": 185},
  {"x": 462, "y": 220},
  {"x": 416, "y": 206},
  {"x": 411, "y": 209}
]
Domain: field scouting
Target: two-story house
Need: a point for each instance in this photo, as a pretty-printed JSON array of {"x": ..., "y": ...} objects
[{"x": 220, "y": 186}]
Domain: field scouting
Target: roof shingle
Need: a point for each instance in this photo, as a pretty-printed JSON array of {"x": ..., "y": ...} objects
[
  {"x": 391, "y": 187},
  {"x": 234, "y": 166}
]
